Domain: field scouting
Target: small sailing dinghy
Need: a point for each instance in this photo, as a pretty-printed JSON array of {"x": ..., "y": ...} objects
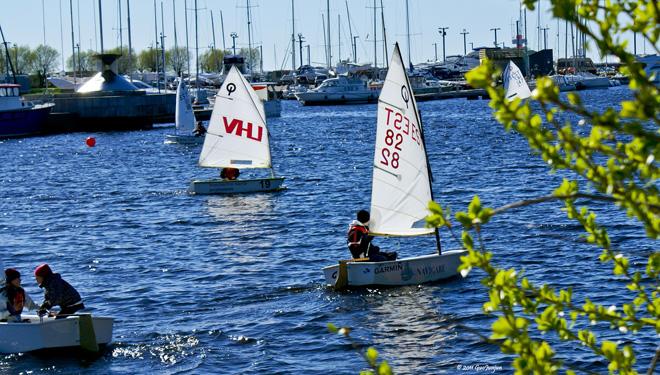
[
  {"x": 75, "y": 331},
  {"x": 401, "y": 191},
  {"x": 514, "y": 83},
  {"x": 237, "y": 137},
  {"x": 184, "y": 119}
]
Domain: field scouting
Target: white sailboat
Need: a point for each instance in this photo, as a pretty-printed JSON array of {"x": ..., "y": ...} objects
[
  {"x": 514, "y": 83},
  {"x": 401, "y": 191},
  {"x": 237, "y": 137},
  {"x": 184, "y": 119}
]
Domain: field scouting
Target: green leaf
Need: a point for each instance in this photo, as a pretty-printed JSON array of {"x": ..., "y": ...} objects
[{"x": 372, "y": 356}]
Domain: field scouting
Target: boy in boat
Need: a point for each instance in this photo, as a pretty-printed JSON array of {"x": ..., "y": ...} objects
[
  {"x": 359, "y": 240},
  {"x": 200, "y": 130},
  {"x": 229, "y": 173},
  {"x": 57, "y": 292},
  {"x": 13, "y": 298}
]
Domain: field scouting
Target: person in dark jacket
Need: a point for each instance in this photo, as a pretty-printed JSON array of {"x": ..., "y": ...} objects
[
  {"x": 57, "y": 292},
  {"x": 13, "y": 298},
  {"x": 359, "y": 240}
]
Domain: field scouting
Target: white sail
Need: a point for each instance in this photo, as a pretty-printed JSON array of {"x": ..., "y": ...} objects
[
  {"x": 514, "y": 83},
  {"x": 185, "y": 117},
  {"x": 401, "y": 189},
  {"x": 237, "y": 136}
]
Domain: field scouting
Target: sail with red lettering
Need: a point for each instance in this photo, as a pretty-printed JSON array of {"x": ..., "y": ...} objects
[
  {"x": 514, "y": 83},
  {"x": 237, "y": 136},
  {"x": 401, "y": 189}
]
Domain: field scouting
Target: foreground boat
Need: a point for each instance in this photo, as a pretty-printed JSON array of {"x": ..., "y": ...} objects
[
  {"x": 19, "y": 118},
  {"x": 76, "y": 331},
  {"x": 401, "y": 190},
  {"x": 237, "y": 137}
]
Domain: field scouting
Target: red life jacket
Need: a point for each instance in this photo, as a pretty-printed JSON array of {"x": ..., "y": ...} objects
[
  {"x": 15, "y": 300},
  {"x": 355, "y": 239}
]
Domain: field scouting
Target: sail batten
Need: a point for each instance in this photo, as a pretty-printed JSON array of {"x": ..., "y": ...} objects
[
  {"x": 237, "y": 136},
  {"x": 400, "y": 185}
]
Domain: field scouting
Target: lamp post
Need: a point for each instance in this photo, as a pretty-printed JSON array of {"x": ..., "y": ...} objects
[
  {"x": 233, "y": 41},
  {"x": 355, "y": 48},
  {"x": 435, "y": 47},
  {"x": 464, "y": 33},
  {"x": 300, "y": 41},
  {"x": 495, "y": 30},
  {"x": 443, "y": 32}
]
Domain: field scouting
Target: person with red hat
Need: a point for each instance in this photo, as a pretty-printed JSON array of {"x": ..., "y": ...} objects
[
  {"x": 13, "y": 298},
  {"x": 57, "y": 292}
]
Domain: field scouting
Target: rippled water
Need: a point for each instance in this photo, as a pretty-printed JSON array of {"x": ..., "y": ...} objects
[{"x": 232, "y": 284}]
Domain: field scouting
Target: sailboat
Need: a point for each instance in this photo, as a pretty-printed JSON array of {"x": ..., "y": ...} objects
[
  {"x": 237, "y": 137},
  {"x": 401, "y": 191},
  {"x": 514, "y": 83},
  {"x": 184, "y": 119}
]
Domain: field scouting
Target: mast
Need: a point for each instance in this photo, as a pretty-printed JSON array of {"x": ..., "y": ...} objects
[
  {"x": 375, "y": 39},
  {"x": 222, "y": 29},
  {"x": 196, "y": 55},
  {"x": 162, "y": 44},
  {"x": 325, "y": 39},
  {"x": 73, "y": 43},
  {"x": 156, "y": 48},
  {"x": 428, "y": 167},
  {"x": 249, "y": 27},
  {"x": 382, "y": 20},
  {"x": 101, "y": 24},
  {"x": 293, "y": 39},
  {"x": 329, "y": 38},
  {"x": 43, "y": 19},
  {"x": 338, "y": 36},
  {"x": 408, "y": 37},
  {"x": 214, "y": 45},
  {"x": 176, "y": 42},
  {"x": 185, "y": 12},
  {"x": 121, "y": 33},
  {"x": 130, "y": 41},
  {"x": 350, "y": 31},
  {"x": 61, "y": 39},
  {"x": 11, "y": 66}
]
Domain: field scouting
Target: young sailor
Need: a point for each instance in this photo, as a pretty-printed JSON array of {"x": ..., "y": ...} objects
[
  {"x": 57, "y": 292},
  {"x": 13, "y": 298},
  {"x": 359, "y": 240}
]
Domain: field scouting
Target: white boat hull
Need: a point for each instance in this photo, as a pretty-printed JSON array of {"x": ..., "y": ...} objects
[
  {"x": 184, "y": 139},
  {"x": 49, "y": 334},
  {"x": 324, "y": 98},
  {"x": 219, "y": 186},
  {"x": 407, "y": 271}
]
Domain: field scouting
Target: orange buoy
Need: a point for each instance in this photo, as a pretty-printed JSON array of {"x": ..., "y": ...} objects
[{"x": 90, "y": 141}]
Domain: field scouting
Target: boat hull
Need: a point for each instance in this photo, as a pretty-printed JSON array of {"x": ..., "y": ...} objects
[
  {"x": 407, "y": 271},
  {"x": 23, "y": 122},
  {"x": 50, "y": 334},
  {"x": 219, "y": 186},
  {"x": 184, "y": 139}
]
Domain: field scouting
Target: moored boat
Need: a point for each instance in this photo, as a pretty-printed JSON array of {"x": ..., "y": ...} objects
[
  {"x": 35, "y": 333},
  {"x": 19, "y": 118},
  {"x": 340, "y": 90}
]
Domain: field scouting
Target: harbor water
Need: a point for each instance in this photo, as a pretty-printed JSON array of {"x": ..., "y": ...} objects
[{"x": 233, "y": 284}]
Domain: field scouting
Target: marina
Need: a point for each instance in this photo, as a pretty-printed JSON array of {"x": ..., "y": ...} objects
[{"x": 343, "y": 186}]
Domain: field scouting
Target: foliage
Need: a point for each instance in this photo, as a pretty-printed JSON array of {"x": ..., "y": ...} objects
[
  {"x": 147, "y": 60},
  {"x": 252, "y": 58},
  {"x": 177, "y": 60},
  {"x": 211, "y": 60},
  {"x": 370, "y": 355},
  {"x": 123, "y": 63},
  {"x": 45, "y": 61},
  {"x": 616, "y": 151},
  {"x": 85, "y": 62},
  {"x": 23, "y": 59}
]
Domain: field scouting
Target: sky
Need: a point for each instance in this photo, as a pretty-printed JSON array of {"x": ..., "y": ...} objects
[{"x": 23, "y": 23}]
